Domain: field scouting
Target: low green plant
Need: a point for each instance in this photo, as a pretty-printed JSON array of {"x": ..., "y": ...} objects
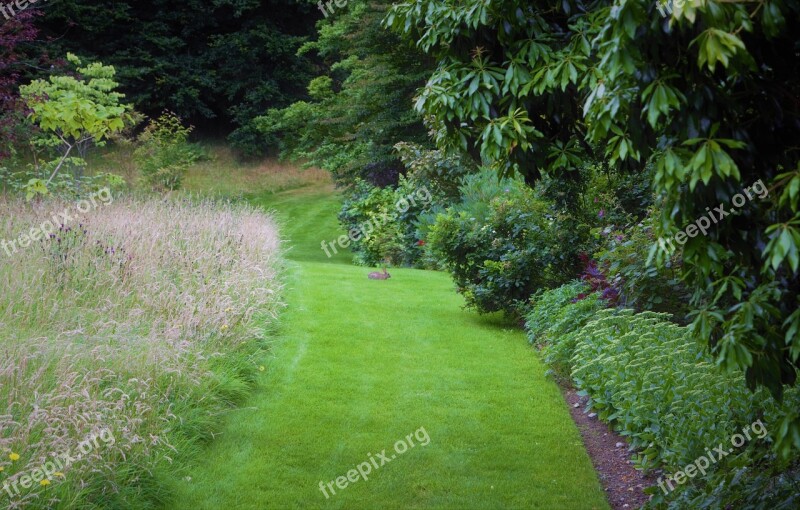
[
  {"x": 649, "y": 379},
  {"x": 546, "y": 304},
  {"x": 643, "y": 374},
  {"x": 165, "y": 154},
  {"x": 656, "y": 385},
  {"x": 754, "y": 478},
  {"x": 555, "y": 320}
]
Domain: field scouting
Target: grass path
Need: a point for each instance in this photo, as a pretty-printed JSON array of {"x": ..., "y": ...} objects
[{"x": 362, "y": 364}]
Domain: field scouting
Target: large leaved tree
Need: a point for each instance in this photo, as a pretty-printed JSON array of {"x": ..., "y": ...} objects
[{"x": 709, "y": 97}]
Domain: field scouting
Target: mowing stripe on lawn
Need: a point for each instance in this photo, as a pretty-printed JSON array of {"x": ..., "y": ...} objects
[{"x": 360, "y": 365}]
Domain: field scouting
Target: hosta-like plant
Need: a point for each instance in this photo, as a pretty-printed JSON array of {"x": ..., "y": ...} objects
[
  {"x": 555, "y": 321},
  {"x": 656, "y": 385}
]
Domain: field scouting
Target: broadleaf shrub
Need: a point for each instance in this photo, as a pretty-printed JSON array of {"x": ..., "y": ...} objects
[
  {"x": 385, "y": 222},
  {"x": 505, "y": 241},
  {"x": 642, "y": 286},
  {"x": 165, "y": 153}
]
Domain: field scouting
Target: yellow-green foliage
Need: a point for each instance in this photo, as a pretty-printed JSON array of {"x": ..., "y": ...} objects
[
  {"x": 73, "y": 113},
  {"x": 165, "y": 154}
]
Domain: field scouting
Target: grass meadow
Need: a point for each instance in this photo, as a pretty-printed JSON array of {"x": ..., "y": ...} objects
[
  {"x": 144, "y": 318},
  {"x": 219, "y": 173},
  {"x": 356, "y": 365},
  {"x": 157, "y": 320}
]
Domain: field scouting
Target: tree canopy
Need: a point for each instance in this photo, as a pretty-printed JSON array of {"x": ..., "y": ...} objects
[
  {"x": 706, "y": 97},
  {"x": 216, "y": 64}
]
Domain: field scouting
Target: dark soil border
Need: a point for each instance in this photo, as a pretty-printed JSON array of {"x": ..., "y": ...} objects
[{"x": 622, "y": 483}]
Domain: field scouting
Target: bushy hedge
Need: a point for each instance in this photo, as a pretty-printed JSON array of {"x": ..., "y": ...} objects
[
  {"x": 642, "y": 286},
  {"x": 649, "y": 379},
  {"x": 385, "y": 222},
  {"x": 395, "y": 220},
  {"x": 505, "y": 241}
]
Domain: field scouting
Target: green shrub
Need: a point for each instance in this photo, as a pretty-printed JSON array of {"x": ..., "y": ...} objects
[
  {"x": 386, "y": 221},
  {"x": 431, "y": 183},
  {"x": 76, "y": 109},
  {"x": 165, "y": 153},
  {"x": 68, "y": 114},
  {"x": 642, "y": 286},
  {"x": 441, "y": 172},
  {"x": 504, "y": 241},
  {"x": 754, "y": 479},
  {"x": 545, "y": 305},
  {"x": 648, "y": 378},
  {"x": 654, "y": 384}
]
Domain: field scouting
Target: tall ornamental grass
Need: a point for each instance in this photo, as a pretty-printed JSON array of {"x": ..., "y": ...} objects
[{"x": 140, "y": 319}]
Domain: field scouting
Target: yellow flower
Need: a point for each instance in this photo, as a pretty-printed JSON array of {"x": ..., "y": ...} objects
[
  {"x": 224, "y": 327},
  {"x": 262, "y": 368},
  {"x": 228, "y": 310},
  {"x": 13, "y": 456},
  {"x": 2, "y": 469},
  {"x": 44, "y": 483},
  {"x": 59, "y": 473}
]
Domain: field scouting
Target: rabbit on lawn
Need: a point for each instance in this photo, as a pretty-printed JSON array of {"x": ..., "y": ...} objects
[{"x": 377, "y": 275}]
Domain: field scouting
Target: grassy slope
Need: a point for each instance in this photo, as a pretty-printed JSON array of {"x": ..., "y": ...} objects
[{"x": 360, "y": 365}]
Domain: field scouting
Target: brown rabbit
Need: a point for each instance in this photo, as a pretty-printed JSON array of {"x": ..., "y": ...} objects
[{"x": 375, "y": 275}]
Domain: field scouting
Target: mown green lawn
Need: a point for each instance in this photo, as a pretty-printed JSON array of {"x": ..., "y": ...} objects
[{"x": 361, "y": 364}]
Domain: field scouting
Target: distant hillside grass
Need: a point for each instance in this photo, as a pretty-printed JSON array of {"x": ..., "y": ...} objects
[{"x": 220, "y": 174}]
